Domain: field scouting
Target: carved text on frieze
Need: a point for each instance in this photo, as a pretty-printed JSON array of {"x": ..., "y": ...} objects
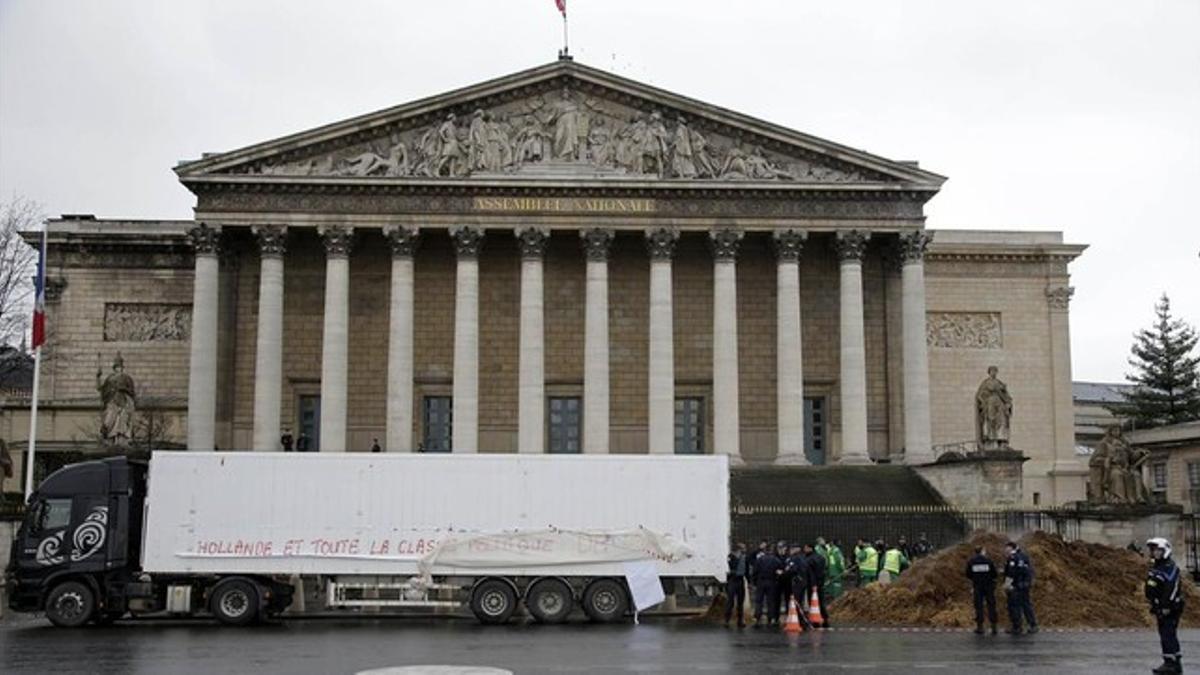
[
  {"x": 565, "y": 204},
  {"x": 964, "y": 330},
  {"x": 146, "y": 322}
]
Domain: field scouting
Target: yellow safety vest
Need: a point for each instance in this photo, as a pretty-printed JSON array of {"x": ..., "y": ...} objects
[
  {"x": 891, "y": 561},
  {"x": 871, "y": 564}
]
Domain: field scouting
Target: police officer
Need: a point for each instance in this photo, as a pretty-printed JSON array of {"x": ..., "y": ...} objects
[
  {"x": 767, "y": 568},
  {"x": 735, "y": 584},
  {"x": 752, "y": 562},
  {"x": 982, "y": 573},
  {"x": 796, "y": 573},
  {"x": 817, "y": 566},
  {"x": 1018, "y": 581},
  {"x": 1165, "y": 594},
  {"x": 783, "y": 590}
]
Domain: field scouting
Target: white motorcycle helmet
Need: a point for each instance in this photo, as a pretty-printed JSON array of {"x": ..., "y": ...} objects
[{"x": 1160, "y": 543}]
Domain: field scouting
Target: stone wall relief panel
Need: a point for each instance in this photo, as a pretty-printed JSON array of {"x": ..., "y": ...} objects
[
  {"x": 964, "y": 330},
  {"x": 563, "y": 132},
  {"x": 147, "y": 322}
]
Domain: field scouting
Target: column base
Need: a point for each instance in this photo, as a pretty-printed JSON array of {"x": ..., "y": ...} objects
[
  {"x": 792, "y": 460},
  {"x": 855, "y": 460},
  {"x": 736, "y": 460}
]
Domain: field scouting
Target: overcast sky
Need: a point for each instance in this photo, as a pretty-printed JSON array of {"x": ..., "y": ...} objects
[{"x": 1075, "y": 116}]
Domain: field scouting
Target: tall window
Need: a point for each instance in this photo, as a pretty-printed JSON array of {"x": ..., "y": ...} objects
[
  {"x": 310, "y": 422},
  {"x": 565, "y": 421},
  {"x": 814, "y": 430},
  {"x": 437, "y": 418},
  {"x": 1158, "y": 474},
  {"x": 689, "y": 426},
  {"x": 1193, "y": 469}
]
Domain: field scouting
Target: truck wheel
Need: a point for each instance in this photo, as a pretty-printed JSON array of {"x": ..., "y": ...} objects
[
  {"x": 493, "y": 601},
  {"x": 605, "y": 601},
  {"x": 549, "y": 601},
  {"x": 70, "y": 605},
  {"x": 234, "y": 602}
]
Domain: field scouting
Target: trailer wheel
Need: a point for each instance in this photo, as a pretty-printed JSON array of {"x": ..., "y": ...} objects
[
  {"x": 549, "y": 601},
  {"x": 70, "y": 605},
  {"x": 605, "y": 601},
  {"x": 493, "y": 601},
  {"x": 234, "y": 602}
]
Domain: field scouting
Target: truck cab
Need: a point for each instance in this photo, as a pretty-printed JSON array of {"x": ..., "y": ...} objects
[{"x": 78, "y": 545}]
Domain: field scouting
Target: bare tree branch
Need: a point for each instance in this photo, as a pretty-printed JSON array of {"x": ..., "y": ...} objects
[{"x": 18, "y": 264}]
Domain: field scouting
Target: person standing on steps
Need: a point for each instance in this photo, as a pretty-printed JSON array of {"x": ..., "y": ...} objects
[
  {"x": 1018, "y": 582},
  {"x": 982, "y": 573},
  {"x": 1164, "y": 590}
]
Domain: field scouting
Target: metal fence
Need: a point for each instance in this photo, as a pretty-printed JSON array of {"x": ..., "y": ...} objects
[{"x": 942, "y": 525}]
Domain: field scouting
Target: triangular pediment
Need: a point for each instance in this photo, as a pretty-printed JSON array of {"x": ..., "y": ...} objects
[{"x": 562, "y": 121}]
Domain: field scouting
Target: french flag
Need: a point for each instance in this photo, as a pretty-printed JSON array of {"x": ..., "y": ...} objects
[
  {"x": 562, "y": 6},
  {"x": 39, "y": 298}
]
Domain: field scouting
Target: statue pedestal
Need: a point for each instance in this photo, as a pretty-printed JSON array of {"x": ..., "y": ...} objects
[{"x": 980, "y": 479}]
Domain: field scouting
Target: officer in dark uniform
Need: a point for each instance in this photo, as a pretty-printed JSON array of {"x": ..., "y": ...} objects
[
  {"x": 783, "y": 590},
  {"x": 735, "y": 584},
  {"x": 982, "y": 573},
  {"x": 752, "y": 560},
  {"x": 795, "y": 571},
  {"x": 1165, "y": 593},
  {"x": 1018, "y": 581},
  {"x": 816, "y": 579},
  {"x": 767, "y": 568}
]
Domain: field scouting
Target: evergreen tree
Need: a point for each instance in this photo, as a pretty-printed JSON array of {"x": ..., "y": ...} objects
[{"x": 1165, "y": 373}]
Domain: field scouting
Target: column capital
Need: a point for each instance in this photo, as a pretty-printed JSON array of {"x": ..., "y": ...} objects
[
  {"x": 911, "y": 246},
  {"x": 1059, "y": 297},
  {"x": 404, "y": 239},
  {"x": 660, "y": 242},
  {"x": 205, "y": 240},
  {"x": 467, "y": 240},
  {"x": 789, "y": 244},
  {"x": 272, "y": 240},
  {"x": 724, "y": 242},
  {"x": 531, "y": 241},
  {"x": 851, "y": 245},
  {"x": 596, "y": 243},
  {"x": 339, "y": 240}
]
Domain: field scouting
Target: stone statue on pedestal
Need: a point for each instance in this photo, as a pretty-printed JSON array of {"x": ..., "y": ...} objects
[
  {"x": 993, "y": 412},
  {"x": 119, "y": 397},
  {"x": 1115, "y": 471}
]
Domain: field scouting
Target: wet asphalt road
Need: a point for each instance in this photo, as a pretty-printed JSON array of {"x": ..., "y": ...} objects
[{"x": 657, "y": 646}]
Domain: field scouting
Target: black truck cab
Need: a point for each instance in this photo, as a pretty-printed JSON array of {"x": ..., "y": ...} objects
[{"x": 79, "y": 544}]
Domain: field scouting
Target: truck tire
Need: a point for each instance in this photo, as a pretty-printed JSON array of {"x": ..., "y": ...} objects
[
  {"x": 549, "y": 601},
  {"x": 234, "y": 602},
  {"x": 605, "y": 601},
  {"x": 493, "y": 601},
  {"x": 70, "y": 605}
]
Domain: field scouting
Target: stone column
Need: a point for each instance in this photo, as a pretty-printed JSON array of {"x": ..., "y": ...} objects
[
  {"x": 726, "y": 427},
  {"x": 202, "y": 376},
  {"x": 596, "y": 243},
  {"x": 918, "y": 447},
  {"x": 851, "y": 246},
  {"x": 1068, "y": 475},
  {"x": 268, "y": 352},
  {"x": 660, "y": 242},
  {"x": 398, "y": 432},
  {"x": 335, "y": 362},
  {"x": 531, "y": 363},
  {"x": 465, "y": 434},
  {"x": 789, "y": 364}
]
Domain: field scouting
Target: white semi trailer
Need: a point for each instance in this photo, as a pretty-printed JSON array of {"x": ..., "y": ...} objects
[{"x": 228, "y": 533}]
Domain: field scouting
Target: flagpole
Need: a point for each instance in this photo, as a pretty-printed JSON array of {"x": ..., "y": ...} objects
[
  {"x": 31, "y": 449},
  {"x": 566, "y": 50},
  {"x": 33, "y": 413}
]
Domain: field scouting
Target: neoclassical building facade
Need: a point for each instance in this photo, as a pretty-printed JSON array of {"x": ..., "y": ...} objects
[{"x": 564, "y": 260}]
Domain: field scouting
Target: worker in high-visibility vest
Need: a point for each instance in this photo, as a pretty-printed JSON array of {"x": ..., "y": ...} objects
[
  {"x": 835, "y": 567},
  {"x": 868, "y": 562},
  {"x": 895, "y": 562}
]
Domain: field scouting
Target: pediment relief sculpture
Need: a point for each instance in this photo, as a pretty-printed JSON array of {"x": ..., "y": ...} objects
[{"x": 564, "y": 133}]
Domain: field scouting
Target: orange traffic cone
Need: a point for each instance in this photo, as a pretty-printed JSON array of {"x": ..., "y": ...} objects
[
  {"x": 792, "y": 625},
  {"x": 814, "y": 609}
]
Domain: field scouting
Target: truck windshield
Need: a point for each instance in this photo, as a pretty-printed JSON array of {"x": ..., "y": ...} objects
[{"x": 50, "y": 514}]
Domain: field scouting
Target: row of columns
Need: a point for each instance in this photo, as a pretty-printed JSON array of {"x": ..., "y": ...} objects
[{"x": 660, "y": 242}]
